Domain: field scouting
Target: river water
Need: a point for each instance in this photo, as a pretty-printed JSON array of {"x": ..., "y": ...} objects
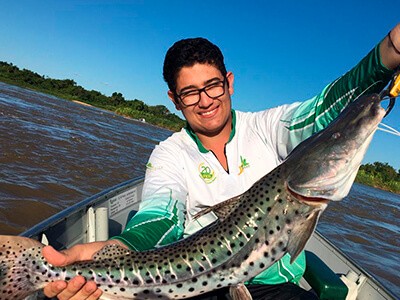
[{"x": 54, "y": 153}]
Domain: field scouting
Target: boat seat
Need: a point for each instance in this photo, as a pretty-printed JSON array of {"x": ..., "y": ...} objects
[{"x": 326, "y": 283}]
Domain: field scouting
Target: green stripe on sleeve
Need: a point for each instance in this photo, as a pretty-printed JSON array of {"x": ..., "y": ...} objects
[
  {"x": 367, "y": 77},
  {"x": 146, "y": 230},
  {"x": 277, "y": 273}
]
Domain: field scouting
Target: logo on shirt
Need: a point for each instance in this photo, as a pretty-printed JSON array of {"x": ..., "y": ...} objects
[
  {"x": 150, "y": 167},
  {"x": 206, "y": 173},
  {"x": 243, "y": 164}
]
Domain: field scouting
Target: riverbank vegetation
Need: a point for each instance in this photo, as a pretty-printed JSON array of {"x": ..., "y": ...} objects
[
  {"x": 378, "y": 175},
  {"x": 158, "y": 115}
]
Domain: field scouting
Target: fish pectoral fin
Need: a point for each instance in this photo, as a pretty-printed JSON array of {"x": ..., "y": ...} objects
[
  {"x": 111, "y": 251},
  {"x": 221, "y": 210},
  {"x": 300, "y": 235},
  {"x": 240, "y": 292}
]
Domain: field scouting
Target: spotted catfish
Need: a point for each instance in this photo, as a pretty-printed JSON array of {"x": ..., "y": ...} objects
[{"x": 277, "y": 215}]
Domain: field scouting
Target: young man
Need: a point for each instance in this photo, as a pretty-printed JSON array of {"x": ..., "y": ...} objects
[{"x": 221, "y": 153}]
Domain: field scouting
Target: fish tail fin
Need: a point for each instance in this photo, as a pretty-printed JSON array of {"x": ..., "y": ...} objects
[
  {"x": 16, "y": 257},
  {"x": 301, "y": 234}
]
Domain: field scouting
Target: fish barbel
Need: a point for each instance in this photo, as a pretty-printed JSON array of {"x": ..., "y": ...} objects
[{"x": 277, "y": 215}]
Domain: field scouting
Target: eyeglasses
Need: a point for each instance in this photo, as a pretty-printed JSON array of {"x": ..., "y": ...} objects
[{"x": 213, "y": 90}]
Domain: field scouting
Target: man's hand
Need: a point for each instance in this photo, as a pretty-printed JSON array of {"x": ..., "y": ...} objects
[
  {"x": 390, "y": 47},
  {"x": 77, "y": 288}
]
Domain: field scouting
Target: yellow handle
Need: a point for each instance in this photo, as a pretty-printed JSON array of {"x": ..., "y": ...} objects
[{"x": 395, "y": 89}]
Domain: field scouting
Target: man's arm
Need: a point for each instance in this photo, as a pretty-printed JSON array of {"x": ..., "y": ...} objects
[
  {"x": 161, "y": 216},
  {"x": 369, "y": 76},
  {"x": 144, "y": 231}
]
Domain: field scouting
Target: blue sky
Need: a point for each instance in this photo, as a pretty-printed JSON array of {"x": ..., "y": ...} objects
[{"x": 279, "y": 52}]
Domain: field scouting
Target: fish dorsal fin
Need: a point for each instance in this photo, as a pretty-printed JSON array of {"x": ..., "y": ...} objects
[
  {"x": 111, "y": 251},
  {"x": 221, "y": 210},
  {"x": 301, "y": 234}
]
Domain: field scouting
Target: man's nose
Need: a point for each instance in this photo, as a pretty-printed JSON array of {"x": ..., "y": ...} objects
[{"x": 205, "y": 100}]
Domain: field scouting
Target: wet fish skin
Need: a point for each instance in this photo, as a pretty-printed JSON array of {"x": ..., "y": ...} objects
[{"x": 276, "y": 215}]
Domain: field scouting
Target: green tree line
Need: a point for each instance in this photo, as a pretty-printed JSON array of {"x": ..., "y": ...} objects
[
  {"x": 158, "y": 115},
  {"x": 380, "y": 175}
]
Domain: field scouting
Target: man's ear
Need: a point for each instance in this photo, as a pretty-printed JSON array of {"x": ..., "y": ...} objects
[
  {"x": 171, "y": 96},
  {"x": 230, "y": 78}
]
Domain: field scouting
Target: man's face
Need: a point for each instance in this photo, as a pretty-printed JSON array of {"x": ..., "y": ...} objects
[{"x": 209, "y": 116}]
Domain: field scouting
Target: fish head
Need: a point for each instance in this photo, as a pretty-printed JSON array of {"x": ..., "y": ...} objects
[{"x": 325, "y": 165}]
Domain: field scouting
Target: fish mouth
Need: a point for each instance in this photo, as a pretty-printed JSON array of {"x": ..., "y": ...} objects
[{"x": 312, "y": 201}]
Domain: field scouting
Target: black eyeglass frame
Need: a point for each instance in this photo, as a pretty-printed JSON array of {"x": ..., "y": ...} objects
[{"x": 203, "y": 89}]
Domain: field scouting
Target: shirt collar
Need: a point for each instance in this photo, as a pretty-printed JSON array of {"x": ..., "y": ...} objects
[{"x": 200, "y": 146}]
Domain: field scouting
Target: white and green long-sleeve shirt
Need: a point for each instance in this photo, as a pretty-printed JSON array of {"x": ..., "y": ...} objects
[{"x": 183, "y": 177}]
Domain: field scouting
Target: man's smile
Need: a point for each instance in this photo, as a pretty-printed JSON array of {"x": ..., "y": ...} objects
[{"x": 209, "y": 113}]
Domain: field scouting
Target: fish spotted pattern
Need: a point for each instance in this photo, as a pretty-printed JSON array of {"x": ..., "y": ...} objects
[{"x": 277, "y": 215}]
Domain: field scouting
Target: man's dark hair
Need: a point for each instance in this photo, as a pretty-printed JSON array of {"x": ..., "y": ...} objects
[{"x": 186, "y": 53}]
